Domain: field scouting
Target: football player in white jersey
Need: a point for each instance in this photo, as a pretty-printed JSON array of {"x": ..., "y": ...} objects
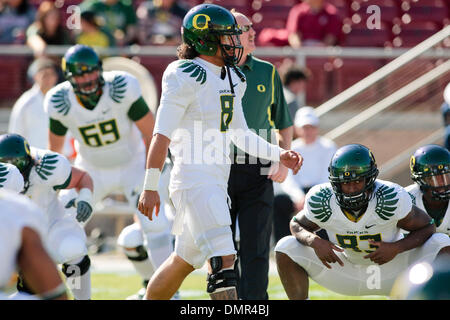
[
  {"x": 22, "y": 233},
  {"x": 45, "y": 173},
  {"x": 109, "y": 119},
  {"x": 10, "y": 177},
  {"x": 363, "y": 217},
  {"x": 430, "y": 170},
  {"x": 200, "y": 103}
]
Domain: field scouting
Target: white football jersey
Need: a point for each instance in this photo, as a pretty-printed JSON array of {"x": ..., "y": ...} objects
[
  {"x": 50, "y": 173},
  {"x": 16, "y": 213},
  {"x": 416, "y": 194},
  {"x": 196, "y": 88},
  {"x": 105, "y": 136},
  {"x": 201, "y": 116},
  {"x": 10, "y": 177},
  {"x": 389, "y": 204}
]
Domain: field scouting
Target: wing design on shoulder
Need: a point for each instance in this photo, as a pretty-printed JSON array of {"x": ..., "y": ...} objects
[
  {"x": 386, "y": 202},
  {"x": 46, "y": 166},
  {"x": 61, "y": 102},
  {"x": 118, "y": 88},
  {"x": 194, "y": 70},
  {"x": 320, "y": 204}
]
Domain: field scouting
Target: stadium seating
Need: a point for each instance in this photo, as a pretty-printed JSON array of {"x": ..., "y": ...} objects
[
  {"x": 388, "y": 9},
  {"x": 425, "y": 10},
  {"x": 13, "y": 76},
  {"x": 405, "y": 23},
  {"x": 413, "y": 33},
  {"x": 353, "y": 70},
  {"x": 358, "y": 35}
]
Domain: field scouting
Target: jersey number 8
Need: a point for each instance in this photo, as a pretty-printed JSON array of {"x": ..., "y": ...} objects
[{"x": 226, "y": 104}]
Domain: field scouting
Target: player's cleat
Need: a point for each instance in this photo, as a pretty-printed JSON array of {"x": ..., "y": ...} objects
[{"x": 139, "y": 295}]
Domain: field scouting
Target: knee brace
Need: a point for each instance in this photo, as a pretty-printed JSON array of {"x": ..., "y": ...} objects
[
  {"x": 220, "y": 278},
  {"x": 22, "y": 285},
  {"x": 139, "y": 255},
  {"x": 77, "y": 269},
  {"x": 131, "y": 237}
]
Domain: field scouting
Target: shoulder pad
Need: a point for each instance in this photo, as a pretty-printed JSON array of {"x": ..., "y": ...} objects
[
  {"x": 10, "y": 177},
  {"x": 118, "y": 88},
  {"x": 387, "y": 197},
  {"x": 123, "y": 86},
  {"x": 318, "y": 202},
  {"x": 57, "y": 100},
  {"x": 192, "y": 69},
  {"x": 53, "y": 167}
]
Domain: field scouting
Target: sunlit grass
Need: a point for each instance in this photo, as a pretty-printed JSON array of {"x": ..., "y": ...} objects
[{"x": 108, "y": 286}]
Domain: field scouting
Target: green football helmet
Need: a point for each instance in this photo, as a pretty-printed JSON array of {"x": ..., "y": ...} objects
[
  {"x": 206, "y": 27},
  {"x": 353, "y": 162},
  {"x": 14, "y": 149},
  {"x": 79, "y": 60},
  {"x": 430, "y": 169}
]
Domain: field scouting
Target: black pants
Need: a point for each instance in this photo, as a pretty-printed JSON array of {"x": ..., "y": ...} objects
[
  {"x": 252, "y": 204},
  {"x": 284, "y": 211}
]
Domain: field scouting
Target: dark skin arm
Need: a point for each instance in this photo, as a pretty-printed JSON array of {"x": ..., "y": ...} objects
[
  {"x": 421, "y": 228},
  {"x": 37, "y": 267},
  {"x": 303, "y": 230}
]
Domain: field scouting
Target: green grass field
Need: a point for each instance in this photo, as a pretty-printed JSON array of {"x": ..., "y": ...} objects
[{"x": 107, "y": 286}]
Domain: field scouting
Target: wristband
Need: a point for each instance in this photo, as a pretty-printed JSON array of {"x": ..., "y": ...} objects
[
  {"x": 151, "y": 180},
  {"x": 85, "y": 195}
]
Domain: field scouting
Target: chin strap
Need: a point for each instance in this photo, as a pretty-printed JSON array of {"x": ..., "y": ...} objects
[{"x": 227, "y": 70}]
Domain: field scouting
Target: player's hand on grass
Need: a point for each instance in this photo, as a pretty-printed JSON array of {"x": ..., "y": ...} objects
[
  {"x": 148, "y": 201},
  {"x": 385, "y": 252},
  {"x": 291, "y": 159},
  {"x": 324, "y": 250}
]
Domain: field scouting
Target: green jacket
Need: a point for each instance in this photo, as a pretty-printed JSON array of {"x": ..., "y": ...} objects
[{"x": 263, "y": 103}]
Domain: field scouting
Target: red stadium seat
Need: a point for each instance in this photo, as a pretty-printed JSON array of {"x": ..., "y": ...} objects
[
  {"x": 240, "y": 5},
  {"x": 12, "y": 77},
  {"x": 319, "y": 87},
  {"x": 353, "y": 70},
  {"x": 413, "y": 33},
  {"x": 424, "y": 10},
  {"x": 388, "y": 9},
  {"x": 341, "y": 6},
  {"x": 358, "y": 35}
]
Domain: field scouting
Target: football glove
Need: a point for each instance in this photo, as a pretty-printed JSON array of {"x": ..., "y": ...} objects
[{"x": 82, "y": 203}]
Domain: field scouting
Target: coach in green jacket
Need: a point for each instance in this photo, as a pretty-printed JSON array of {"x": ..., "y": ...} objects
[{"x": 250, "y": 187}]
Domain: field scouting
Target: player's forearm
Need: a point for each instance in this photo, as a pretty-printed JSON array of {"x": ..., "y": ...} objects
[
  {"x": 303, "y": 235},
  {"x": 256, "y": 146},
  {"x": 157, "y": 151},
  {"x": 80, "y": 180},
  {"x": 55, "y": 142},
  {"x": 415, "y": 238},
  {"x": 285, "y": 137}
]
